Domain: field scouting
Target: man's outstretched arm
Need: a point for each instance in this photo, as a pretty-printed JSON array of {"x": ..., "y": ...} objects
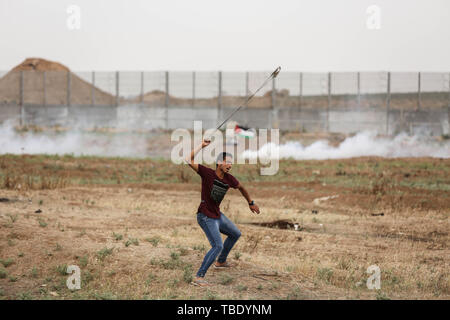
[
  {"x": 190, "y": 159},
  {"x": 253, "y": 206}
]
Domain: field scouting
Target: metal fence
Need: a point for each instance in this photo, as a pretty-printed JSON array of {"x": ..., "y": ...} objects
[{"x": 287, "y": 100}]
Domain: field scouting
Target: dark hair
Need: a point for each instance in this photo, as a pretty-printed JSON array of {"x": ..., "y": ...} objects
[{"x": 222, "y": 157}]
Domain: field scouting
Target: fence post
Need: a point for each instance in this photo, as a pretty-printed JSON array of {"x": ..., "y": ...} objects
[
  {"x": 358, "y": 77},
  {"x": 166, "y": 100},
  {"x": 193, "y": 88},
  {"x": 21, "y": 98},
  {"x": 247, "y": 84},
  {"x": 273, "y": 103},
  {"x": 419, "y": 93},
  {"x": 69, "y": 87},
  {"x": 93, "y": 89},
  {"x": 300, "y": 95},
  {"x": 247, "y": 93},
  {"x": 388, "y": 101},
  {"x": 329, "y": 102},
  {"x": 219, "y": 97},
  {"x": 44, "y": 76},
  {"x": 142, "y": 86},
  {"x": 117, "y": 88},
  {"x": 448, "y": 105}
]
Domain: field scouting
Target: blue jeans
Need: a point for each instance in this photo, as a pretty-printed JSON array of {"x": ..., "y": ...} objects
[{"x": 213, "y": 228}]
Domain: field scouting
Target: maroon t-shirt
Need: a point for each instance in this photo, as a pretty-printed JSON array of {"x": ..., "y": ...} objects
[{"x": 213, "y": 190}]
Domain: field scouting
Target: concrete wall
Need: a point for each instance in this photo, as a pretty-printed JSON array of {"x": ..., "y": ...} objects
[
  {"x": 9, "y": 112},
  {"x": 142, "y": 117}
]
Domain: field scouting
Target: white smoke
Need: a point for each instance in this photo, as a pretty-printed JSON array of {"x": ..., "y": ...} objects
[
  {"x": 125, "y": 144},
  {"x": 362, "y": 144},
  {"x": 74, "y": 142}
]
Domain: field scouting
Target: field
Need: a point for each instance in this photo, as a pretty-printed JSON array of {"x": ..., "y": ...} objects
[{"x": 130, "y": 225}]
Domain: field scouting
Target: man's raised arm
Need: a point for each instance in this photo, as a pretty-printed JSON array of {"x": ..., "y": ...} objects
[{"x": 190, "y": 159}]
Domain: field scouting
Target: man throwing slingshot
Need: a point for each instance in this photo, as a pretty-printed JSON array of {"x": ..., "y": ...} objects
[{"x": 215, "y": 184}]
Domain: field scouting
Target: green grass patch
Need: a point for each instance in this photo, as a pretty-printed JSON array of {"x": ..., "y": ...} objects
[
  {"x": 153, "y": 240},
  {"x": 103, "y": 253},
  {"x": 61, "y": 269},
  {"x": 7, "y": 262}
]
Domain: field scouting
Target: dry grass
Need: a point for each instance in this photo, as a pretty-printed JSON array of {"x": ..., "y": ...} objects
[{"x": 105, "y": 203}]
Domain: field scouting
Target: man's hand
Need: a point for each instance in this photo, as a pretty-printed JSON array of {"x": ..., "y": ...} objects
[
  {"x": 254, "y": 208},
  {"x": 205, "y": 142}
]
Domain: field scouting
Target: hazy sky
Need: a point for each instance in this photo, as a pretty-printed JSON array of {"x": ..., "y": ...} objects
[{"x": 231, "y": 35}]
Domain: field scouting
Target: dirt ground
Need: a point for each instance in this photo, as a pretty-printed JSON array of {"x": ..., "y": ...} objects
[{"x": 130, "y": 225}]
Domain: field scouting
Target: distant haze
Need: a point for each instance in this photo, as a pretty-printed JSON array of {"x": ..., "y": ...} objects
[{"x": 233, "y": 35}]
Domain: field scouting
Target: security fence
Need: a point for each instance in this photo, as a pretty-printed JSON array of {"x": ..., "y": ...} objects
[{"x": 387, "y": 102}]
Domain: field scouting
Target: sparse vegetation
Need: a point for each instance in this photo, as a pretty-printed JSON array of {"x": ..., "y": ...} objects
[
  {"x": 3, "y": 273},
  {"x": 117, "y": 236},
  {"x": 150, "y": 278},
  {"x": 183, "y": 251},
  {"x": 174, "y": 255},
  {"x": 103, "y": 253},
  {"x": 131, "y": 241},
  {"x": 86, "y": 277},
  {"x": 13, "y": 217},
  {"x": 406, "y": 241},
  {"x": 226, "y": 279},
  {"x": 34, "y": 272},
  {"x": 187, "y": 274},
  {"x": 241, "y": 287},
  {"x": 325, "y": 274},
  {"x": 83, "y": 261},
  {"x": 42, "y": 223},
  {"x": 173, "y": 283},
  {"x": 61, "y": 269},
  {"x": 105, "y": 296},
  {"x": 382, "y": 296},
  {"x": 295, "y": 294},
  {"x": 82, "y": 233},
  {"x": 200, "y": 248},
  {"x": 154, "y": 240},
  {"x": 6, "y": 262},
  {"x": 24, "y": 296},
  {"x": 210, "y": 295}
]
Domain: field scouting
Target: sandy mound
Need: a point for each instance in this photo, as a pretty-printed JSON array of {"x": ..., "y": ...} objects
[
  {"x": 38, "y": 64},
  {"x": 56, "y": 81}
]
